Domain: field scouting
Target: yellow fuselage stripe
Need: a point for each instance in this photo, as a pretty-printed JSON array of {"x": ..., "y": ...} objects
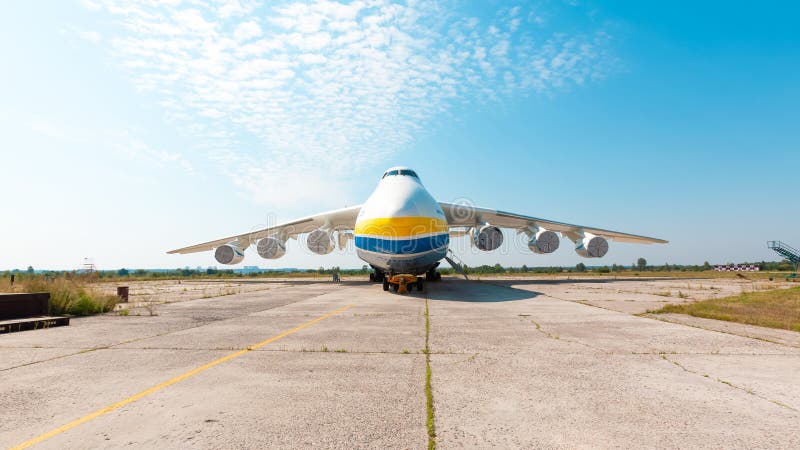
[
  {"x": 400, "y": 226},
  {"x": 172, "y": 381}
]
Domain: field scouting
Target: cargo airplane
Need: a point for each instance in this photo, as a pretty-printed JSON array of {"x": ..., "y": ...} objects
[{"x": 402, "y": 232}]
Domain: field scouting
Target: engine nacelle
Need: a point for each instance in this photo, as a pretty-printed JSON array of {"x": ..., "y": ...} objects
[
  {"x": 591, "y": 246},
  {"x": 271, "y": 248},
  {"x": 544, "y": 241},
  {"x": 319, "y": 241},
  {"x": 229, "y": 254},
  {"x": 488, "y": 238}
]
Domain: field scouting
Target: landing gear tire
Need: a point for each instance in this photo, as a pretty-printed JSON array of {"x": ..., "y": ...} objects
[
  {"x": 420, "y": 284},
  {"x": 385, "y": 285}
]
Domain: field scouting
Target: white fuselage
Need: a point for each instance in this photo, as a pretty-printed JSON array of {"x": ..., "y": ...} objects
[{"x": 401, "y": 228}]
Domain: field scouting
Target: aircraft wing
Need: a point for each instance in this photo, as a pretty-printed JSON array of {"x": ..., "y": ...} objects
[
  {"x": 464, "y": 215},
  {"x": 340, "y": 219}
]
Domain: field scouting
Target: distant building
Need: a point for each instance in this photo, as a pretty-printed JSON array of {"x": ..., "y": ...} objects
[{"x": 737, "y": 268}]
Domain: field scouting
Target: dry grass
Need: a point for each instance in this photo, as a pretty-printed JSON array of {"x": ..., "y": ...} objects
[
  {"x": 775, "y": 309},
  {"x": 68, "y": 296},
  {"x": 707, "y": 274}
]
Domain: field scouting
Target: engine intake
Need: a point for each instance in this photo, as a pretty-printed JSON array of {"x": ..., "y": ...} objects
[
  {"x": 544, "y": 241},
  {"x": 592, "y": 246},
  {"x": 319, "y": 241},
  {"x": 271, "y": 248},
  {"x": 229, "y": 254},
  {"x": 488, "y": 238}
]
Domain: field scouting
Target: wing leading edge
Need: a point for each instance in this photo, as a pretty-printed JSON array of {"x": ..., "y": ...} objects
[
  {"x": 340, "y": 219},
  {"x": 461, "y": 215}
]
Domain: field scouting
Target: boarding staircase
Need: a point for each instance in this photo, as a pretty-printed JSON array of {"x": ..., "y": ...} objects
[
  {"x": 456, "y": 263},
  {"x": 786, "y": 251}
]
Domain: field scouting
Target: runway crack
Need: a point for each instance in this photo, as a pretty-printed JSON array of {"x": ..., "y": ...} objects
[
  {"x": 559, "y": 338},
  {"x": 725, "y": 382}
]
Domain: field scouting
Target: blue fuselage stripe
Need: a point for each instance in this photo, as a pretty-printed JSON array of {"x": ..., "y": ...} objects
[{"x": 407, "y": 246}]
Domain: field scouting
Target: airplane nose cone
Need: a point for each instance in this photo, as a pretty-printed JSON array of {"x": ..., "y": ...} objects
[
  {"x": 401, "y": 196},
  {"x": 408, "y": 200}
]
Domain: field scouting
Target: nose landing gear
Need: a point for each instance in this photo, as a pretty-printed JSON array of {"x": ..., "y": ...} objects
[{"x": 402, "y": 283}]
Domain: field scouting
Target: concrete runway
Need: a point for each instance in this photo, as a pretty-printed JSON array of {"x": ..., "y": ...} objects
[{"x": 515, "y": 364}]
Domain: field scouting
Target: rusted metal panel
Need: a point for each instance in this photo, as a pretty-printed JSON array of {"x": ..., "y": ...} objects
[
  {"x": 32, "y": 323},
  {"x": 122, "y": 293},
  {"x": 17, "y": 306}
]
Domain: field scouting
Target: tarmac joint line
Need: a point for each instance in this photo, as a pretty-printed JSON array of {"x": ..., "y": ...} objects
[
  {"x": 170, "y": 382},
  {"x": 430, "y": 424}
]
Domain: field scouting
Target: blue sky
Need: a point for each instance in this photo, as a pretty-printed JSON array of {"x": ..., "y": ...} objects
[{"x": 131, "y": 129}]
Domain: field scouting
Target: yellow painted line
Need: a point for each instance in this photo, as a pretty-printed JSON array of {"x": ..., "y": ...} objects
[
  {"x": 400, "y": 226},
  {"x": 172, "y": 381}
]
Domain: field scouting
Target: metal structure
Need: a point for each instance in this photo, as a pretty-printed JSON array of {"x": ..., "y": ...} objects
[
  {"x": 88, "y": 266},
  {"x": 20, "y": 312},
  {"x": 786, "y": 251},
  {"x": 456, "y": 263}
]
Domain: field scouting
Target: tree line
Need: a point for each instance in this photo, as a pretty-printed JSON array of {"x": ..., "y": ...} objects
[{"x": 640, "y": 265}]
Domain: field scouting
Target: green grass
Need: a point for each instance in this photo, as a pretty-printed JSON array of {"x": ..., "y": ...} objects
[
  {"x": 69, "y": 296},
  {"x": 779, "y": 308},
  {"x": 428, "y": 390}
]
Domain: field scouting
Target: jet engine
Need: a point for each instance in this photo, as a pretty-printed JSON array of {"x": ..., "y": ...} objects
[
  {"x": 488, "y": 238},
  {"x": 319, "y": 241},
  {"x": 544, "y": 241},
  {"x": 271, "y": 248},
  {"x": 591, "y": 246},
  {"x": 229, "y": 254}
]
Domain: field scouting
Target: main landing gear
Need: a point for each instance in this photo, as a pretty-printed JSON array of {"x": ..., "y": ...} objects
[
  {"x": 377, "y": 276},
  {"x": 433, "y": 275}
]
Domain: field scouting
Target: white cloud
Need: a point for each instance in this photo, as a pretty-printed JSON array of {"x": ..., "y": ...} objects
[
  {"x": 90, "y": 36},
  {"x": 296, "y": 89},
  {"x": 247, "y": 31},
  {"x": 125, "y": 142}
]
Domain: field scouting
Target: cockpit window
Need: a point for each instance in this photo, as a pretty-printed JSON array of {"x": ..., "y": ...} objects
[{"x": 409, "y": 173}]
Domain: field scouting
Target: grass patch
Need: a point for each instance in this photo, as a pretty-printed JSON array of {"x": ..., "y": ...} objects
[
  {"x": 69, "y": 296},
  {"x": 428, "y": 390},
  {"x": 778, "y": 308}
]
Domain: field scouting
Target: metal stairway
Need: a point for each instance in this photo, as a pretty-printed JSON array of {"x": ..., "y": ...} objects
[
  {"x": 456, "y": 263},
  {"x": 786, "y": 251}
]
